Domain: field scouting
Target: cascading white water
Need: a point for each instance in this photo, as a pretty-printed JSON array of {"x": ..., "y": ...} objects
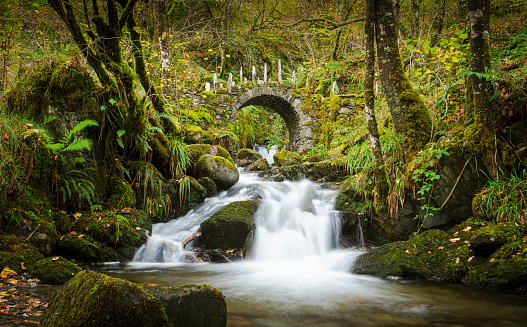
[
  {"x": 266, "y": 154},
  {"x": 294, "y": 220}
]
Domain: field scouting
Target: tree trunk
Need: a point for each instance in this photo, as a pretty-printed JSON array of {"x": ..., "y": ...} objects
[
  {"x": 410, "y": 116},
  {"x": 381, "y": 182},
  {"x": 479, "y": 13}
]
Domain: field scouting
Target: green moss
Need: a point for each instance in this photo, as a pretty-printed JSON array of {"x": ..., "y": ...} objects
[
  {"x": 122, "y": 195},
  {"x": 229, "y": 227},
  {"x": 83, "y": 248},
  {"x": 220, "y": 170},
  {"x": 286, "y": 158},
  {"x": 472, "y": 253},
  {"x": 55, "y": 270},
  {"x": 197, "y": 150},
  {"x": 113, "y": 229},
  {"x": 192, "y": 305},
  {"x": 103, "y": 301},
  {"x": 209, "y": 186}
]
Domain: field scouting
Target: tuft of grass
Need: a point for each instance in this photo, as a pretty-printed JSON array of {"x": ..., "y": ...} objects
[{"x": 504, "y": 199}]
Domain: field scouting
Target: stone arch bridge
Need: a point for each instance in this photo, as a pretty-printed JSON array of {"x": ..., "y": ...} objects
[{"x": 278, "y": 97}]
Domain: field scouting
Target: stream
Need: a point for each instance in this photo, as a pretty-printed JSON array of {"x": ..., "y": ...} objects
[{"x": 297, "y": 275}]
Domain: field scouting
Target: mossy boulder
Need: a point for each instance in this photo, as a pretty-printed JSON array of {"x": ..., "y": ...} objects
[
  {"x": 246, "y": 157},
  {"x": 123, "y": 231},
  {"x": 321, "y": 172},
  {"x": 189, "y": 193},
  {"x": 209, "y": 186},
  {"x": 45, "y": 236},
  {"x": 153, "y": 191},
  {"x": 17, "y": 254},
  {"x": 56, "y": 270},
  {"x": 195, "y": 152},
  {"x": 83, "y": 248},
  {"x": 229, "y": 228},
  {"x": 192, "y": 305},
  {"x": 122, "y": 195},
  {"x": 258, "y": 165},
  {"x": 287, "y": 158},
  {"x": 97, "y": 300},
  {"x": 472, "y": 253},
  {"x": 219, "y": 169},
  {"x": 193, "y": 134}
]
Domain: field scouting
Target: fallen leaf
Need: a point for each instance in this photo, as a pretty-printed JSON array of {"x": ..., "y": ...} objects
[
  {"x": 455, "y": 234},
  {"x": 22, "y": 266},
  {"x": 454, "y": 240},
  {"x": 466, "y": 229},
  {"x": 441, "y": 247},
  {"x": 406, "y": 251},
  {"x": 492, "y": 260},
  {"x": 6, "y": 136},
  {"x": 81, "y": 235},
  {"x": 457, "y": 260},
  {"x": 153, "y": 284},
  {"x": 55, "y": 259},
  {"x": 470, "y": 259}
]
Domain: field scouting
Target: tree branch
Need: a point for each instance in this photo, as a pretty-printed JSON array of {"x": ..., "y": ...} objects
[{"x": 333, "y": 25}]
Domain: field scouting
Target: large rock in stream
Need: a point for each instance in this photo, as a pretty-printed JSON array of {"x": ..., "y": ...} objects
[
  {"x": 246, "y": 157},
  {"x": 219, "y": 169},
  {"x": 192, "y": 305},
  {"x": 96, "y": 300},
  {"x": 230, "y": 227},
  {"x": 473, "y": 253}
]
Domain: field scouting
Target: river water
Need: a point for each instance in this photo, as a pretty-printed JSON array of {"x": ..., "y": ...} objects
[{"x": 297, "y": 275}]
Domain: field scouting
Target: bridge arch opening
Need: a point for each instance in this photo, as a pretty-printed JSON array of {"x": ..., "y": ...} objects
[{"x": 260, "y": 125}]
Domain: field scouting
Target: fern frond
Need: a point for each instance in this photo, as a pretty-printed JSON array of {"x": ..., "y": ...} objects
[{"x": 79, "y": 144}]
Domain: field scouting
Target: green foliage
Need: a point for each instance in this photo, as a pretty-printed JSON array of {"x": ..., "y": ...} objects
[
  {"x": 503, "y": 199},
  {"x": 74, "y": 183},
  {"x": 180, "y": 157},
  {"x": 424, "y": 172}
]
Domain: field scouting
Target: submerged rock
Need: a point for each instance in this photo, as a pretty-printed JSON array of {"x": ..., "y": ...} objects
[
  {"x": 219, "y": 169},
  {"x": 229, "y": 228},
  {"x": 97, "y": 300},
  {"x": 192, "y": 305}
]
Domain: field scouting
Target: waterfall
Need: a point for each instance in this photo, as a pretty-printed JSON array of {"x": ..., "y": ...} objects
[
  {"x": 267, "y": 154},
  {"x": 294, "y": 220}
]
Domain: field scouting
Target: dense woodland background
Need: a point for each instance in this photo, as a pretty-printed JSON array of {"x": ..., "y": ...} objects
[{"x": 94, "y": 115}]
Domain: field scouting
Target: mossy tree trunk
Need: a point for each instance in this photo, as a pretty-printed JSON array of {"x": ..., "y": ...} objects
[
  {"x": 410, "y": 116},
  {"x": 381, "y": 183},
  {"x": 479, "y": 17},
  {"x": 105, "y": 54}
]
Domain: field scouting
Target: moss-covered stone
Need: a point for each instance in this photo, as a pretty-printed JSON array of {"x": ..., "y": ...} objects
[
  {"x": 258, "y": 165},
  {"x": 17, "y": 254},
  {"x": 287, "y": 158},
  {"x": 322, "y": 172},
  {"x": 195, "y": 152},
  {"x": 246, "y": 157},
  {"x": 219, "y": 169},
  {"x": 83, "y": 248},
  {"x": 193, "y": 134},
  {"x": 45, "y": 236},
  {"x": 96, "y": 300},
  {"x": 209, "y": 186},
  {"x": 115, "y": 230},
  {"x": 56, "y": 270},
  {"x": 229, "y": 227},
  {"x": 122, "y": 195},
  {"x": 189, "y": 193},
  {"x": 192, "y": 305},
  {"x": 471, "y": 253}
]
